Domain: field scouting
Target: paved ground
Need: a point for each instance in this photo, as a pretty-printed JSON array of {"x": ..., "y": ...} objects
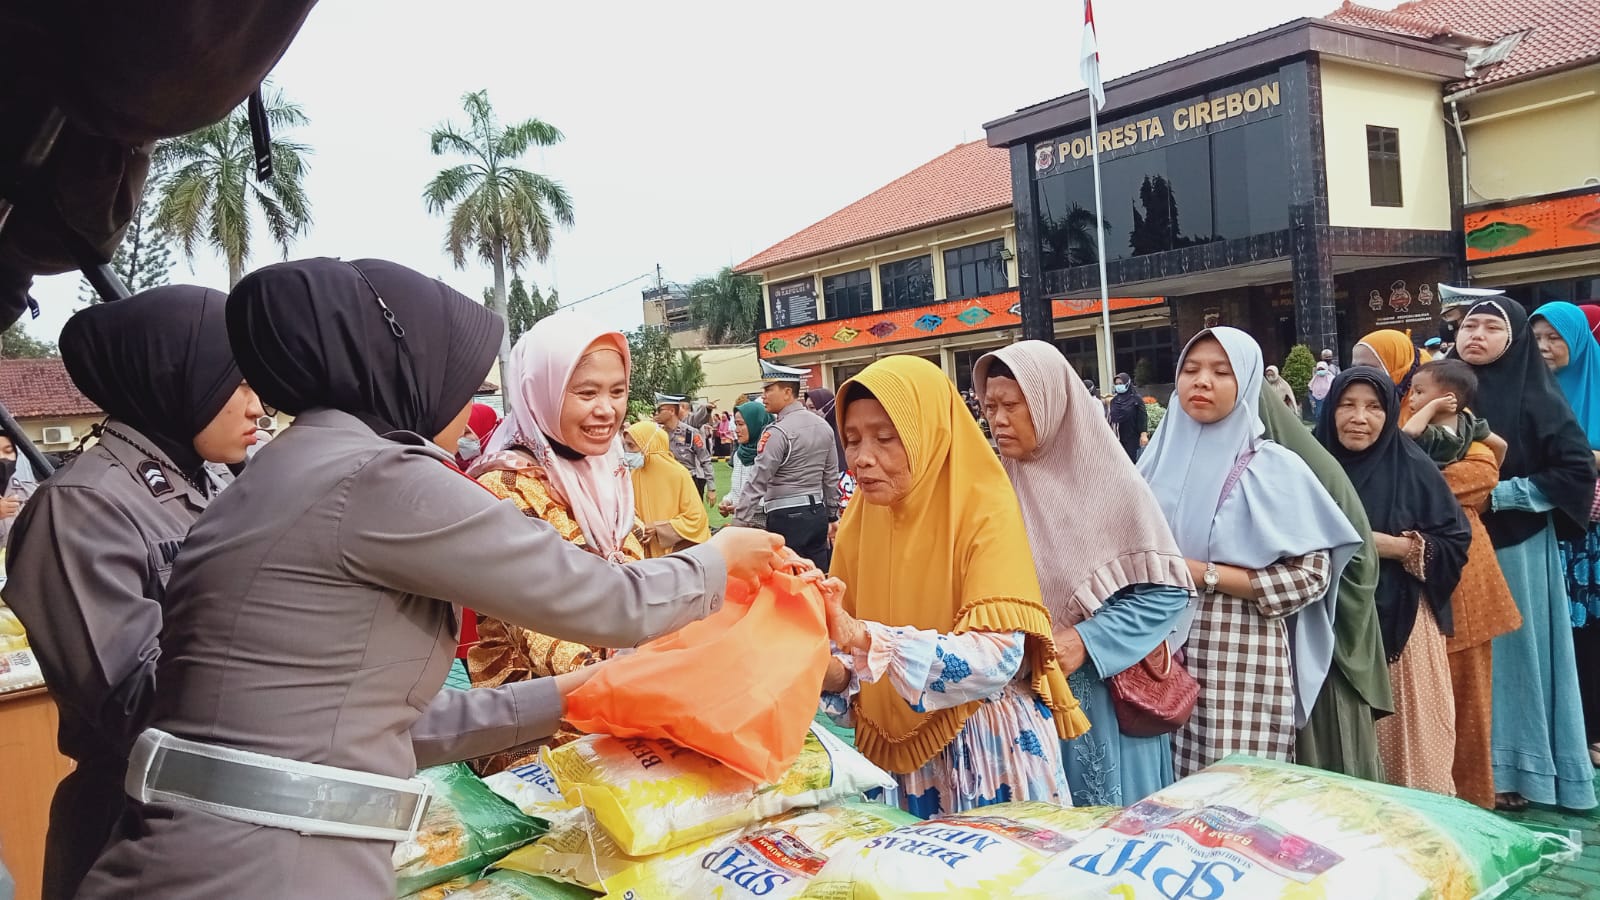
[{"x": 1580, "y": 878}]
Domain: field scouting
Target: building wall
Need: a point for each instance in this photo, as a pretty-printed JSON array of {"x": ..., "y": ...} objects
[
  {"x": 1355, "y": 97},
  {"x": 730, "y": 372},
  {"x": 928, "y": 241},
  {"x": 1535, "y": 138},
  {"x": 80, "y": 426}
]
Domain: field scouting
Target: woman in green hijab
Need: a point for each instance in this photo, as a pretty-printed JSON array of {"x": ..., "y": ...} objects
[
  {"x": 1339, "y": 736},
  {"x": 750, "y": 420}
]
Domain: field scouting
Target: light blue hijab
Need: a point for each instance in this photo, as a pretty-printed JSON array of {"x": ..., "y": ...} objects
[
  {"x": 1580, "y": 379},
  {"x": 1277, "y": 509}
]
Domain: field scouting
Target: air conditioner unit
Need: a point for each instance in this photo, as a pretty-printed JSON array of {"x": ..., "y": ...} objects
[{"x": 58, "y": 435}]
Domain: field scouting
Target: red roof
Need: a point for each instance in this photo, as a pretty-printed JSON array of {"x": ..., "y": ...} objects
[
  {"x": 1556, "y": 33},
  {"x": 35, "y": 388},
  {"x": 971, "y": 179}
]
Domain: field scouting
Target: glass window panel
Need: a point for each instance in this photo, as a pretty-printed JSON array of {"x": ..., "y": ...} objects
[{"x": 906, "y": 283}]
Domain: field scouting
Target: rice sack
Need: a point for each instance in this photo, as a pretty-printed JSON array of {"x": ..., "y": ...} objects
[
  {"x": 1253, "y": 828},
  {"x": 775, "y": 859},
  {"x": 532, "y": 788},
  {"x": 517, "y": 886},
  {"x": 465, "y": 829},
  {"x": 978, "y": 854},
  {"x": 651, "y": 795}
]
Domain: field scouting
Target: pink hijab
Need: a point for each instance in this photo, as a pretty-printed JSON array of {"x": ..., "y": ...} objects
[
  {"x": 1093, "y": 523},
  {"x": 596, "y": 488}
]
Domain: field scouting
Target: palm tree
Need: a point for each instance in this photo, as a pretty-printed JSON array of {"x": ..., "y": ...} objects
[
  {"x": 208, "y": 195},
  {"x": 727, "y": 306},
  {"x": 502, "y": 214}
]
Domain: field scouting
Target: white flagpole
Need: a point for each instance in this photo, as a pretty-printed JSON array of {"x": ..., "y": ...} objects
[{"x": 1108, "y": 369}]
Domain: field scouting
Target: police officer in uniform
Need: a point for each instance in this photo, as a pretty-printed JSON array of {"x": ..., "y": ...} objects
[
  {"x": 688, "y": 445},
  {"x": 90, "y": 553},
  {"x": 795, "y": 480}
]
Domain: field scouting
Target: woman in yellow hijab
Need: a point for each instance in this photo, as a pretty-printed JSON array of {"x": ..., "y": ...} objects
[
  {"x": 1393, "y": 352},
  {"x": 945, "y": 663},
  {"x": 663, "y": 493}
]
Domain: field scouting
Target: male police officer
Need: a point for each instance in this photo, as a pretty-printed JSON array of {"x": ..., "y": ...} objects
[
  {"x": 687, "y": 443},
  {"x": 795, "y": 480}
]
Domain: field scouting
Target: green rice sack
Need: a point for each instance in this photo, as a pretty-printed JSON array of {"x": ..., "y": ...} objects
[
  {"x": 465, "y": 829},
  {"x": 517, "y": 886},
  {"x": 1248, "y": 828}
]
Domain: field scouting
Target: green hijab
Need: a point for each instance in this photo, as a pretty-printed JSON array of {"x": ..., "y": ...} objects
[
  {"x": 1358, "y": 647},
  {"x": 756, "y": 419}
]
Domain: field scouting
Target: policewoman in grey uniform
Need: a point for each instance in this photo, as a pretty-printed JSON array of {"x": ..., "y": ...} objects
[
  {"x": 795, "y": 480},
  {"x": 311, "y": 618},
  {"x": 92, "y": 549}
]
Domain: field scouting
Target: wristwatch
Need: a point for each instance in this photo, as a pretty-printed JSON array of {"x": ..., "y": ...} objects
[{"x": 1212, "y": 577}]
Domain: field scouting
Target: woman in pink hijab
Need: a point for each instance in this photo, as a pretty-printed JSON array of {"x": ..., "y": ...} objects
[{"x": 558, "y": 456}]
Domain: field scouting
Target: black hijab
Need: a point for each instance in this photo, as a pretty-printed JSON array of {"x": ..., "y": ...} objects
[
  {"x": 1125, "y": 404},
  {"x": 159, "y": 361},
  {"x": 398, "y": 350},
  {"x": 1524, "y": 405},
  {"x": 1402, "y": 491},
  {"x": 822, "y": 402}
]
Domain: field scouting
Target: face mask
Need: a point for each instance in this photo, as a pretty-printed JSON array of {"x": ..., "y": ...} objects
[
  {"x": 468, "y": 447},
  {"x": 633, "y": 459},
  {"x": 1121, "y": 389},
  {"x": 1447, "y": 331}
]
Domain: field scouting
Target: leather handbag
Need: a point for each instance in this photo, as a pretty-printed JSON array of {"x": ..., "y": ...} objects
[{"x": 1155, "y": 695}]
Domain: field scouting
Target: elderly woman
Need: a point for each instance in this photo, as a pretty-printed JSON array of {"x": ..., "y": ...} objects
[
  {"x": 1481, "y": 609},
  {"x": 1568, "y": 348},
  {"x": 558, "y": 457},
  {"x": 1545, "y": 493},
  {"x": 1393, "y": 352},
  {"x": 1339, "y": 733},
  {"x": 946, "y": 666},
  {"x": 310, "y": 620},
  {"x": 1279, "y": 387},
  {"x": 1113, "y": 578},
  {"x": 1265, "y": 541},
  {"x": 663, "y": 493},
  {"x": 1422, "y": 539}
]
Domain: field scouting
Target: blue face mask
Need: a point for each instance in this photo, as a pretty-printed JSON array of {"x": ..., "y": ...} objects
[
  {"x": 1121, "y": 389},
  {"x": 468, "y": 447},
  {"x": 633, "y": 459}
]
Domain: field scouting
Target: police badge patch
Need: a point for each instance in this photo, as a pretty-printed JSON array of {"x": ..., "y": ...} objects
[
  {"x": 762, "y": 444},
  {"x": 155, "y": 479}
]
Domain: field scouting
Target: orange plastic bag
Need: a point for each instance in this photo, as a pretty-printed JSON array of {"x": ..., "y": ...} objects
[{"x": 739, "y": 686}]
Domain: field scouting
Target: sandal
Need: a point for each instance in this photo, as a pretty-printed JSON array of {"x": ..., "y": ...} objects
[{"x": 1510, "y": 802}]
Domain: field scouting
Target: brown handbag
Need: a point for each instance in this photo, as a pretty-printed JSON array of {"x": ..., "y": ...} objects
[{"x": 1155, "y": 695}]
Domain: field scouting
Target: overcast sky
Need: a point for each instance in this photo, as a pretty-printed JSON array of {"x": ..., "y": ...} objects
[{"x": 697, "y": 133}]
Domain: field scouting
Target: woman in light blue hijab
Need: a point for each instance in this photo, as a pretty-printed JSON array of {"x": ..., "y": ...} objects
[{"x": 1266, "y": 544}]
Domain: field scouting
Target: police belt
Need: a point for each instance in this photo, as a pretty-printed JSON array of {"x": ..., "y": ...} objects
[
  {"x": 794, "y": 502},
  {"x": 258, "y": 789}
]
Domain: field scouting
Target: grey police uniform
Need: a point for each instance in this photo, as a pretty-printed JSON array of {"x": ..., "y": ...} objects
[
  {"x": 87, "y": 565},
  {"x": 689, "y": 447},
  {"x": 795, "y": 483}
]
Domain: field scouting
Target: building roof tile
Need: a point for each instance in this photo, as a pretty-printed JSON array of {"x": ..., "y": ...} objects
[{"x": 35, "y": 388}]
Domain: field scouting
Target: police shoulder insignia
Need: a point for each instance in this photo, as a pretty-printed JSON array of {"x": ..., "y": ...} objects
[
  {"x": 762, "y": 444},
  {"x": 154, "y": 478}
]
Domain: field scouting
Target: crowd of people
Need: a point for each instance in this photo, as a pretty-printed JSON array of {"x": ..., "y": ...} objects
[{"x": 1385, "y": 594}]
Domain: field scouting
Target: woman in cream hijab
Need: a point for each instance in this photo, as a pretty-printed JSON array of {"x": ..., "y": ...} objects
[
  {"x": 1113, "y": 578},
  {"x": 946, "y": 665}
]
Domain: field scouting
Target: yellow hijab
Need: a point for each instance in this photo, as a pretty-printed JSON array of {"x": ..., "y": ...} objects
[
  {"x": 663, "y": 490},
  {"x": 952, "y": 556}
]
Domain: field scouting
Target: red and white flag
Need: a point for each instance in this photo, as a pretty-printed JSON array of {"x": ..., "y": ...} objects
[{"x": 1089, "y": 64}]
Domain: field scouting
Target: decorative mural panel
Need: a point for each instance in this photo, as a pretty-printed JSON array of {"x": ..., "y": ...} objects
[
  {"x": 892, "y": 326},
  {"x": 1558, "y": 223}
]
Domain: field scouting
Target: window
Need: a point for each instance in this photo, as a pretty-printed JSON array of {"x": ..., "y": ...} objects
[
  {"x": 1146, "y": 355},
  {"x": 908, "y": 282},
  {"x": 1083, "y": 354},
  {"x": 1383, "y": 165},
  {"x": 849, "y": 294},
  {"x": 975, "y": 271}
]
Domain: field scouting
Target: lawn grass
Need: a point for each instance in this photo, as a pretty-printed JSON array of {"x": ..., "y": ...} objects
[{"x": 724, "y": 479}]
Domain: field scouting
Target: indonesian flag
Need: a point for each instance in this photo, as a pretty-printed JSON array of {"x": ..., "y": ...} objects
[{"x": 1089, "y": 64}]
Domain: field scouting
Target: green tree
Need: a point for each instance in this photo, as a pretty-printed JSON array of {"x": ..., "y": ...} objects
[
  {"x": 498, "y": 212},
  {"x": 524, "y": 306},
  {"x": 1298, "y": 368},
  {"x": 144, "y": 258},
  {"x": 659, "y": 369},
  {"x": 17, "y": 343},
  {"x": 727, "y": 306},
  {"x": 211, "y": 190}
]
